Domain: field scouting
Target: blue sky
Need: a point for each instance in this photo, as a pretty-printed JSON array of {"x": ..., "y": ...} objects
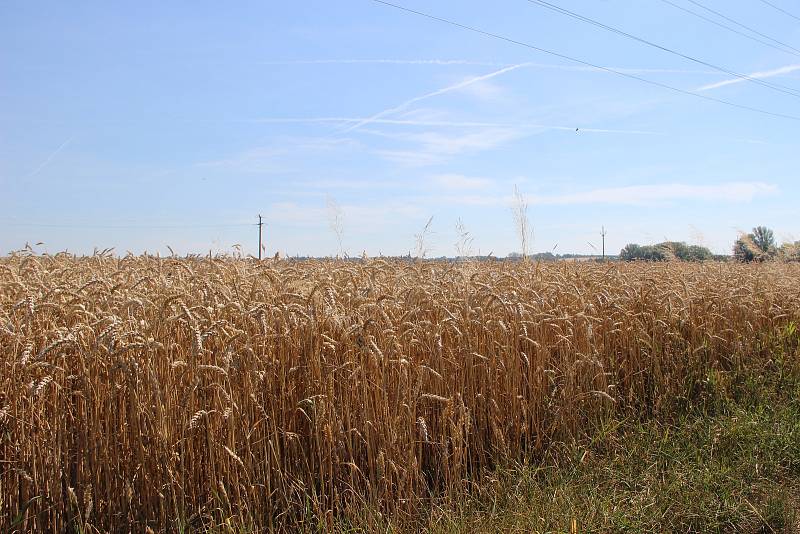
[{"x": 155, "y": 124}]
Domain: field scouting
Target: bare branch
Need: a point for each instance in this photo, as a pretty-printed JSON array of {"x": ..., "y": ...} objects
[
  {"x": 336, "y": 221},
  {"x": 464, "y": 243},
  {"x": 421, "y": 239},
  {"x": 519, "y": 209}
]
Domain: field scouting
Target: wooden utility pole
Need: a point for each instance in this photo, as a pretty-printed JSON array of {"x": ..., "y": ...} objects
[
  {"x": 603, "y": 234},
  {"x": 260, "y": 224}
]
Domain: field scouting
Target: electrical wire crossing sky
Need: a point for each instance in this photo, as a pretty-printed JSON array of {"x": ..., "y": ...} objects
[{"x": 347, "y": 126}]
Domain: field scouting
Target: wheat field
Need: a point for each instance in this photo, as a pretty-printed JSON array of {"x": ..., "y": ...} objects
[{"x": 221, "y": 394}]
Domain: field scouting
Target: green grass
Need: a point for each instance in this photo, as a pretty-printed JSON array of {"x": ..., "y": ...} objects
[
  {"x": 729, "y": 465},
  {"x": 728, "y": 461}
]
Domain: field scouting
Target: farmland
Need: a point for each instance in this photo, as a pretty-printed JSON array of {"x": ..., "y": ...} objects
[{"x": 233, "y": 395}]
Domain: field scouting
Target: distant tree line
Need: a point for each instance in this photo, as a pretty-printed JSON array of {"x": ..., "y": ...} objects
[
  {"x": 760, "y": 245},
  {"x": 668, "y": 250},
  {"x": 549, "y": 256},
  {"x": 756, "y": 246}
]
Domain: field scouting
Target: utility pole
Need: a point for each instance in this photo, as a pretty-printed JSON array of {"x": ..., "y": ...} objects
[
  {"x": 260, "y": 224},
  {"x": 603, "y": 235}
]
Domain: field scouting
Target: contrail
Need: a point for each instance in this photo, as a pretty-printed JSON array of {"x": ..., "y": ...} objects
[
  {"x": 454, "y": 124},
  {"x": 384, "y": 61},
  {"x": 442, "y": 91},
  {"x": 469, "y": 124},
  {"x": 50, "y": 157},
  {"x": 444, "y": 62},
  {"x": 762, "y": 74}
]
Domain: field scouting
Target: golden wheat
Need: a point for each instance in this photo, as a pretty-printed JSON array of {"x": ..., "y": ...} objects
[{"x": 161, "y": 393}]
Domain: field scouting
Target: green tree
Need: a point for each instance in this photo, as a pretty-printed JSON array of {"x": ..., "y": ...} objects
[
  {"x": 756, "y": 246},
  {"x": 633, "y": 252},
  {"x": 667, "y": 250},
  {"x": 764, "y": 238},
  {"x": 630, "y": 252},
  {"x": 699, "y": 253}
]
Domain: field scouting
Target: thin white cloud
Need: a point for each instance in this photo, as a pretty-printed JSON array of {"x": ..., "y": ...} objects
[
  {"x": 446, "y": 123},
  {"x": 328, "y": 184},
  {"x": 280, "y": 156},
  {"x": 49, "y": 158},
  {"x": 384, "y": 62},
  {"x": 445, "y": 62},
  {"x": 415, "y": 148},
  {"x": 411, "y": 158},
  {"x": 449, "y": 88},
  {"x": 314, "y": 215},
  {"x": 460, "y": 182},
  {"x": 435, "y": 147},
  {"x": 254, "y": 160},
  {"x": 649, "y": 194},
  {"x": 636, "y": 195},
  {"x": 486, "y": 91},
  {"x": 758, "y": 75}
]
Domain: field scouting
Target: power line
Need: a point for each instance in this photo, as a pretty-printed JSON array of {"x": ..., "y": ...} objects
[
  {"x": 587, "y": 63},
  {"x": 748, "y": 28},
  {"x": 770, "y": 4},
  {"x": 577, "y": 16},
  {"x": 725, "y": 26}
]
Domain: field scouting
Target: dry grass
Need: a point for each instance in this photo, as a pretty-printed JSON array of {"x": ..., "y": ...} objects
[{"x": 227, "y": 394}]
